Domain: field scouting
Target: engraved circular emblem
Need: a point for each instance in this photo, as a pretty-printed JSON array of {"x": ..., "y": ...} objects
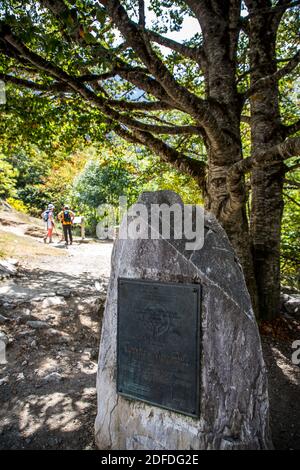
[{"x": 157, "y": 319}]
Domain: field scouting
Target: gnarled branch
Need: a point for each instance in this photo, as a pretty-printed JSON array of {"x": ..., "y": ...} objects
[
  {"x": 292, "y": 128},
  {"x": 199, "y": 109},
  {"x": 273, "y": 78}
]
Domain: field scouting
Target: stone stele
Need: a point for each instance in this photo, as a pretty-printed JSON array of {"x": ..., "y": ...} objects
[{"x": 234, "y": 405}]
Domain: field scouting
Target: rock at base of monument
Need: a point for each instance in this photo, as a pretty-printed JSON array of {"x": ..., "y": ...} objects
[{"x": 232, "y": 381}]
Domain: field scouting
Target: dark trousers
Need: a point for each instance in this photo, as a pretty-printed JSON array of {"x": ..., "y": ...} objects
[{"x": 68, "y": 233}]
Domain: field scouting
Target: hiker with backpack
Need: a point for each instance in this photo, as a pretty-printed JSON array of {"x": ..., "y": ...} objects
[
  {"x": 66, "y": 217},
  {"x": 48, "y": 217}
]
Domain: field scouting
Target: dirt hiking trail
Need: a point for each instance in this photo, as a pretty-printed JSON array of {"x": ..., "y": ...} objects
[
  {"x": 50, "y": 312},
  {"x": 51, "y": 306}
]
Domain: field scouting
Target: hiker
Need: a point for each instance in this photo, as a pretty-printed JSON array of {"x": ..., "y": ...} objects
[
  {"x": 66, "y": 217},
  {"x": 48, "y": 217}
]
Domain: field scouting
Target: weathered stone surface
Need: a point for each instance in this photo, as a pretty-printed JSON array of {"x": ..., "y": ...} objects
[
  {"x": 8, "y": 268},
  {"x": 291, "y": 304},
  {"x": 37, "y": 324},
  {"x": 233, "y": 385},
  {"x": 53, "y": 302},
  {"x": 3, "y": 319}
]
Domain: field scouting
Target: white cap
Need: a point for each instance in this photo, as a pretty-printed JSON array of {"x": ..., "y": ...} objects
[{"x": 50, "y": 206}]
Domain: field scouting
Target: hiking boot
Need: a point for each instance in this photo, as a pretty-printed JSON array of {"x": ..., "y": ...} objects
[{"x": 45, "y": 239}]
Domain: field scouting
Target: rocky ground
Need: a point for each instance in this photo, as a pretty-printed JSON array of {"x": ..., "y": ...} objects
[
  {"x": 284, "y": 389},
  {"x": 51, "y": 305},
  {"x": 50, "y": 315}
]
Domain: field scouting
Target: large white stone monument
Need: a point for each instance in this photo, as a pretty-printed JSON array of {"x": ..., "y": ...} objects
[{"x": 226, "y": 406}]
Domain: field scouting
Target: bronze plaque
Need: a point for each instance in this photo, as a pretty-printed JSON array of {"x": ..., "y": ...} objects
[{"x": 158, "y": 348}]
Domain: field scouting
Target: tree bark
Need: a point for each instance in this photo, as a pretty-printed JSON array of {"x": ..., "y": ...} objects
[
  {"x": 266, "y": 180},
  {"x": 215, "y": 117},
  {"x": 220, "y": 32}
]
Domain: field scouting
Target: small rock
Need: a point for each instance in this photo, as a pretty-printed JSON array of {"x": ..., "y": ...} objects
[
  {"x": 13, "y": 261},
  {"x": 7, "y": 268},
  {"x": 9, "y": 305},
  {"x": 51, "y": 317},
  {"x": 53, "y": 302},
  {"x": 20, "y": 377},
  {"x": 59, "y": 336},
  {"x": 37, "y": 299},
  {"x": 53, "y": 377},
  {"x": 98, "y": 286},
  {"x": 293, "y": 305},
  {"x": 290, "y": 303},
  {"x": 52, "y": 332},
  {"x": 37, "y": 324},
  {"x": 66, "y": 293},
  {"x": 47, "y": 294},
  {"x": 3, "y": 319},
  {"x": 33, "y": 343},
  {"x": 4, "y": 380},
  {"x": 25, "y": 333}
]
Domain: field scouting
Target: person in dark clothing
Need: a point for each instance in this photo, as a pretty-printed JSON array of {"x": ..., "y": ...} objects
[{"x": 66, "y": 217}]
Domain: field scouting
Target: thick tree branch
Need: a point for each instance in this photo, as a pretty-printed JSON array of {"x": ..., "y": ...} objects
[
  {"x": 292, "y": 184},
  {"x": 64, "y": 14},
  {"x": 136, "y": 75},
  {"x": 29, "y": 83},
  {"x": 178, "y": 160},
  {"x": 142, "y": 18},
  {"x": 193, "y": 53},
  {"x": 287, "y": 149},
  {"x": 292, "y": 128},
  {"x": 168, "y": 154},
  {"x": 140, "y": 106},
  {"x": 159, "y": 129},
  {"x": 246, "y": 119},
  {"x": 59, "y": 87},
  {"x": 235, "y": 185},
  {"x": 75, "y": 84},
  {"x": 197, "y": 107},
  {"x": 279, "y": 8},
  {"x": 247, "y": 72},
  {"x": 139, "y": 130},
  {"x": 291, "y": 199},
  {"x": 270, "y": 79}
]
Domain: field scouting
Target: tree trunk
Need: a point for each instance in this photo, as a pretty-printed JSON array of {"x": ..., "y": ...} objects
[
  {"x": 236, "y": 226},
  {"x": 266, "y": 216},
  {"x": 267, "y": 180},
  {"x": 220, "y": 34}
]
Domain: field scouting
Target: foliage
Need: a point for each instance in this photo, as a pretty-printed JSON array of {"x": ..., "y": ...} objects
[
  {"x": 51, "y": 121},
  {"x": 18, "y": 205},
  {"x": 290, "y": 255},
  {"x": 7, "y": 178},
  {"x": 104, "y": 181}
]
